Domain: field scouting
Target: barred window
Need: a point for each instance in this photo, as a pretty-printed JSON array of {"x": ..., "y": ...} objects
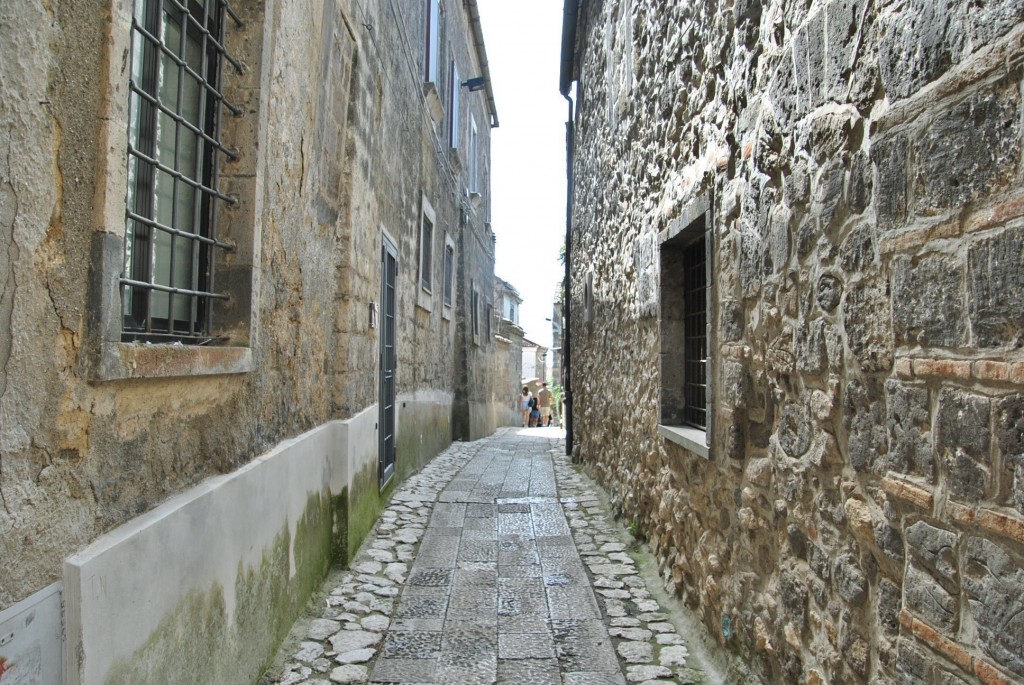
[
  {"x": 174, "y": 151},
  {"x": 695, "y": 343}
]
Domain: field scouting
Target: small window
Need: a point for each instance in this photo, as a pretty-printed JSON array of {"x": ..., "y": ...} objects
[
  {"x": 174, "y": 154},
  {"x": 476, "y": 313},
  {"x": 686, "y": 290},
  {"x": 453, "y": 106},
  {"x": 487, "y": 321},
  {"x": 426, "y": 253},
  {"x": 449, "y": 271},
  {"x": 473, "y": 162},
  {"x": 432, "y": 45}
]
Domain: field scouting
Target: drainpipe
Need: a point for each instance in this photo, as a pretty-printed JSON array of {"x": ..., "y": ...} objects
[{"x": 570, "y": 17}]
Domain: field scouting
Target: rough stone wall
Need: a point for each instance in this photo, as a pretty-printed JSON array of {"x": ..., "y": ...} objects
[
  {"x": 861, "y": 516},
  {"x": 335, "y": 143}
]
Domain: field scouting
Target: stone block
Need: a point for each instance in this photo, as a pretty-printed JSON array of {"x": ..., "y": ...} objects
[
  {"x": 810, "y": 347},
  {"x": 794, "y": 432},
  {"x": 866, "y": 322},
  {"x": 828, "y": 194},
  {"x": 926, "y": 598},
  {"x": 889, "y": 541},
  {"x": 992, "y": 581},
  {"x": 858, "y": 253},
  {"x": 844, "y": 22},
  {"x": 732, "y": 320},
  {"x": 793, "y": 590},
  {"x": 859, "y": 184},
  {"x": 889, "y": 602},
  {"x": 916, "y": 49},
  {"x": 864, "y": 417},
  {"x": 962, "y": 439},
  {"x": 912, "y": 664},
  {"x": 1009, "y": 427},
  {"x": 969, "y": 151},
  {"x": 850, "y": 581},
  {"x": 890, "y": 156},
  {"x": 934, "y": 548},
  {"x": 909, "y": 425},
  {"x": 996, "y": 289},
  {"x": 928, "y": 301}
]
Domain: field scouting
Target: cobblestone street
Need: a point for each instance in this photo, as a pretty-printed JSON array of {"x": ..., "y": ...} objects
[{"x": 498, "y": 562}]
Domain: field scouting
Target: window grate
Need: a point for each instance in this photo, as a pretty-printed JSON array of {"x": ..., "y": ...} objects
[
  {"x": 695, "y": 343},
  {"x": 174, "y": 153}
]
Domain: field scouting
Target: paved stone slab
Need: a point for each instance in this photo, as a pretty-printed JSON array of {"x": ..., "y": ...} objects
[{"x": 483, "y": 569}]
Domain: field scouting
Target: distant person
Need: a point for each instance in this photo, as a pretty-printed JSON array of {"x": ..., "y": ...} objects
[
  {"x": 524, "y": 405},
  {"x": 546, "y": 399},
  {"x": 534, "y": 413}
]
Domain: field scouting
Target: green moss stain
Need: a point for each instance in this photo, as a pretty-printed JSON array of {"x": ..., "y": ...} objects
[
  {"x": 365, "y": 504},
  {"x": 339, "y": 510},
  {"x": 179, "y": 650},
  {"x": 197, "y": 643}
]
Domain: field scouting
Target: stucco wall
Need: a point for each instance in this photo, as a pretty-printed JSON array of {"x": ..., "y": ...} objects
[
  {"x": 336, "y": 146},
  {"x": 861, "y": 516}
]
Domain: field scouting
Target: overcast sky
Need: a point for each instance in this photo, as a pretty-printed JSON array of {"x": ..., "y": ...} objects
[{"x": 523, "y": 42}]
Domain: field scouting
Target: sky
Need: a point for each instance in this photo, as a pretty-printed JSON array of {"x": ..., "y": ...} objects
[{"x": 523, "y": 43}]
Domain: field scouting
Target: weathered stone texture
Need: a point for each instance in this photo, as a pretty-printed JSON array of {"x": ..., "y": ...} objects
[
  {"x": 928, "y": 308},
  {"x": 996, "y": 289},
  {"x": 862, "y": 161},
  {"x": 992, "y": 580}
]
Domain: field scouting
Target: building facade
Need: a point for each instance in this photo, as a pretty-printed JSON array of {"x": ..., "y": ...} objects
[
  {"x": 797, "y": 246},
  {"x": 246, "y": 267}
]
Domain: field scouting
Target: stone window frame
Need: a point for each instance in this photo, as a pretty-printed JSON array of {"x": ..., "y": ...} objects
[
  {"x": 448, "y": 291},
  {"x": 694, "y": 223},
  {"x": 425, "y": 255},
  {"x": 109, "y": 357}
]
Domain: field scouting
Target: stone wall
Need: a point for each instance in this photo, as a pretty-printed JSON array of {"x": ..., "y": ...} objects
[
  {"x": 338, "y": 143},
  {"x": 860, "y": 518}
]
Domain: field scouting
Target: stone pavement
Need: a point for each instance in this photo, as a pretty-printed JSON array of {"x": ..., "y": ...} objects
[{"x": 496, "y": 563}]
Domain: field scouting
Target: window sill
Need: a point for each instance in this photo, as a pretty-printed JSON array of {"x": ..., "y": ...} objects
[
  {"x": 690, "y": 439},
  {"x": 425, "y": 300},
  {"x": 120, "y": 361}
]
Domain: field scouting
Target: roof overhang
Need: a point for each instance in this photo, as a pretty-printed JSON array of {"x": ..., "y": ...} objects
[{"x": 481, "y": 55}]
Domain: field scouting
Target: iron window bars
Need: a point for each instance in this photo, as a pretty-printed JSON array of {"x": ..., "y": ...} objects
[
  {"x": 174, "y": 150},
  {"x": 695, "y": 346}
]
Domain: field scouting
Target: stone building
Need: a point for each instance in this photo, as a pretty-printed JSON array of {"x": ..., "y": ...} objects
[
  {"x": 247, "y": 268},
  {"x": 797, "y": 244}
]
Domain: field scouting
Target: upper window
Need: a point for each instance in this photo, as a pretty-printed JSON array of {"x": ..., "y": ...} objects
[
  {"x": 453, "y": 105},
  {"x": 432, "y": 46},
  {"x": 449, "y": 271},
  {"x": 174, "y": 151},
  {"x": 473, "y": 164},
  {"x": 426, "y": 253},
  {"x": 476, "y": 313}
]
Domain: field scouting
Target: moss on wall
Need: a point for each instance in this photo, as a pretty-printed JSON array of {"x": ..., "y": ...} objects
[{"x": 197, "y": 641}]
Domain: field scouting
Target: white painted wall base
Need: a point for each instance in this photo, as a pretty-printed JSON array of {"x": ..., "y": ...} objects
[{"x": 120, "y": 588}]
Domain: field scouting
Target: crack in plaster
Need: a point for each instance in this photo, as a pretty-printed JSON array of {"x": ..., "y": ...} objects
[{"x": 10, "y": 252}]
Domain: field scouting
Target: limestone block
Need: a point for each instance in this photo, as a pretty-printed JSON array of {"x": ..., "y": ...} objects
[
  {"x": 962, "y": 439},
  {"x": 866, "y": 322},
  {"x": 928, "y": 301},
  {"x": 915, "y": 49},
  {"x": 909, "y": 426},
  {"x": 928, "y": 600},
  {"x": 996, "y": 289},
  {"x": 912, "y": 664},
  {"x": 891, "y": 156},
  {"x": 969, "y": 151},
  {"x": 992, "y": 580},
  {"x": 829, "y": 292},
  {"x": 934, "y": 548},
  {"x": 889, "y": 602},
  {"x": 1009, "y": 422},
  {"x": 850, "y": 581},
  {"x": 864, "y": 417}
]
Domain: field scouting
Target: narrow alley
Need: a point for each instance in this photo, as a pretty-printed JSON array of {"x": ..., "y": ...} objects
[{"x": 498, "y": 562}]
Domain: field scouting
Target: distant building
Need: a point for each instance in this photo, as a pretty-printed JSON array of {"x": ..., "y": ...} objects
[{"x": 534, "y": 362}]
